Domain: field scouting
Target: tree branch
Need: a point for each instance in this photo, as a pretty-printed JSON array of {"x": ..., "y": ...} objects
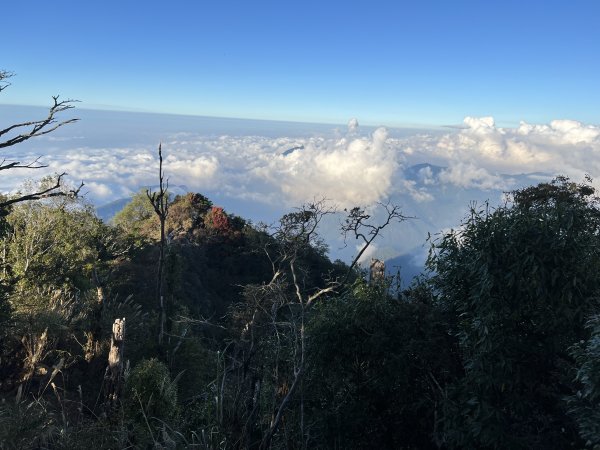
[
  {"x": 39, "y": 127},
  {"x": 44, "y": 193},
  {"x": 3, "y": 76},
  {"x": 35, "y": 164},
  {"x": 357, "y": 225}
]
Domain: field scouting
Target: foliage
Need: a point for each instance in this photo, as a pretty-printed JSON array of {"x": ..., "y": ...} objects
[
  {"x": 137, "y": 217},
  {"x": 151, "y": 399},
  {"x": 520, "y": 281},
  {"x": 585, "y": 404},
  {"x": 27, "y": 424},
  {"x": 186, "y": 216},
  {"x": 376, "y": 366},
  {"x": 52, "y": 245},
  {"x": 217, "y": 221}
]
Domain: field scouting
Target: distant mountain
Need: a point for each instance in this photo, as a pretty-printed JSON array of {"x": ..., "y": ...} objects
[{"x": 108, "y": 211}]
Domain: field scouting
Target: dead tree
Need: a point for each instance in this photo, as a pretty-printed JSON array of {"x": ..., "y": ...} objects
[
  {"x": 160, "y": 203},
  {"x": 114, "y": 371},
  {"x": 297, "y": 232},
  {"x": 20, "y": 132},
  {"x": 358, "y": 225}
]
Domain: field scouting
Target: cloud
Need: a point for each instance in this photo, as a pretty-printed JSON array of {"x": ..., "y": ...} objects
[
  {"x": 432, "y": 174},
  {"x": 350, "y": 166},
  {"x": 476, "y": 155},
  {"x": 197, "y": 171},
  {"x": 353, "y": 167},
  {"x": 99, "y": 190},
  {"x": 469, "y": 176},
  {"x": 347, "y": 171},
  {"x": 350, "y": 170}
]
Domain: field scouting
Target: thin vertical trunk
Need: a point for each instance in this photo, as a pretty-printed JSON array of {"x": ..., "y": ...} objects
[
  {"x": 159, "y": 281},
  {"x": 160, "y": 202}
]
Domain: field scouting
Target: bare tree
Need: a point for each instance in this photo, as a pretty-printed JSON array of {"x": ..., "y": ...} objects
[
  {"x": 160, "y": 202},
  {"x": 279, "y": 309},
  {"x": 23, "y": 131},
  {"x": 358, "y": 225}
]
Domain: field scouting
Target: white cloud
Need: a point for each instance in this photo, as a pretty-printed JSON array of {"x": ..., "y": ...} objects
[
  {"x": 370, "y": 252},
  {"x": 476, "y": 155},
  {"x": 353, "y": 166},
  {"x": 195, "y": 171},
  {"x": 418, "y": 193},
  {"x": 347, "y": 171},
  {"x": 99, "y": 190},
  {"x": 469, "y": 176}
]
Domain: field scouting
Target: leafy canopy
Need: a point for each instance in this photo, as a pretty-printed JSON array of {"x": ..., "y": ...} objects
[{"x": 520, "y": 281}]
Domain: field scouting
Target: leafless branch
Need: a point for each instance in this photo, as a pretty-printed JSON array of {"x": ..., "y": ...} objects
[
  {"x": 39, "y": 127},
  {"x": 3, "y": 76},
  {"x": 298, "y": 229},
  {"x": 33, "y": 129},
  {"x": 296, "y": 232},
  {"x": 52, "y": 191},
  {"x": 35, "y": 164},
  {"x": 357, "y": 225}
]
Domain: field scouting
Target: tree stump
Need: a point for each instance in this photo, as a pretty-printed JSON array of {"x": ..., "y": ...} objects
[
  {"x": 114, "y": 371},
  {"x": 377, "y": 273}
]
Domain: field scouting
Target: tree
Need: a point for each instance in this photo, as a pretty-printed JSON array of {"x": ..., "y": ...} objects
[
  {"x": 20, "y": 132},
  {"x": 520, "y": 281},
  {"x": 271, "y": 353},
  {"x": 56, "y": 260},
  {"x": 584, "y": 405},
  {"x": 160, "y": 202},
  {"x": 137, "y": 218},
  {"x": 15, "y": 134},
  {"x": 376, "y": 367},
  {"x": 217, "y": 221}
]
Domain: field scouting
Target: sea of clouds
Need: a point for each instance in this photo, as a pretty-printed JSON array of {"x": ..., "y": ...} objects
[{"x": 264, "y": 170}]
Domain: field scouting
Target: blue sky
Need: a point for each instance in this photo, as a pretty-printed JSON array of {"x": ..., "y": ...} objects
[{"x": 386, "y": 62}]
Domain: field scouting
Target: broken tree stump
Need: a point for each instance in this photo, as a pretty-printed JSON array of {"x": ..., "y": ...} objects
[
  {"x": 114, "y": 371},
  {"x": 377, "y": 272}
]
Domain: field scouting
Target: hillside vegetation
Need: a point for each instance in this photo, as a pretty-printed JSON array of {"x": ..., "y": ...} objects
[{"x": 268, "y": 344}]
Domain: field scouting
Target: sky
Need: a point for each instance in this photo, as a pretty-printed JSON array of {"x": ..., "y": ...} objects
[{"x": 391, "y": 63}]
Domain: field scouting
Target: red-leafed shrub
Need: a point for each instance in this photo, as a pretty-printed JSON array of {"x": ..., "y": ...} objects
[{"x": 217, "y": 221}]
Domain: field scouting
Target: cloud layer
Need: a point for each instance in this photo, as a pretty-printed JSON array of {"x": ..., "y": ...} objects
[
  {"x": 561, "y": 146},
  {"x": 350, "y": 166}
]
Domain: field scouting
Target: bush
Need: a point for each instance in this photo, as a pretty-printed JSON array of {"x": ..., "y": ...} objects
[{"x": 151, "y": 399}]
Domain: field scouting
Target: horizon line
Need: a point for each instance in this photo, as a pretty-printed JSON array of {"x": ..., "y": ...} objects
[{"x": 368, "y": 124}]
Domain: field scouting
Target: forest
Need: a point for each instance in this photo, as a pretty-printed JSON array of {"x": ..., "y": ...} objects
[{"x": 181, "y": 325}]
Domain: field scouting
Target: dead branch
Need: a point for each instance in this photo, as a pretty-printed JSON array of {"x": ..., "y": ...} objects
[
  {"x": 3, "y": 76},
  {"x": 357, "y": 225},
  {"x": 38, "y": 127},
  {"x": 114, "y": 371},
  {"x": 35, "y": 164},
  {"x": 52, "y": 191},
  {"x": 23, "y": 131}
]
